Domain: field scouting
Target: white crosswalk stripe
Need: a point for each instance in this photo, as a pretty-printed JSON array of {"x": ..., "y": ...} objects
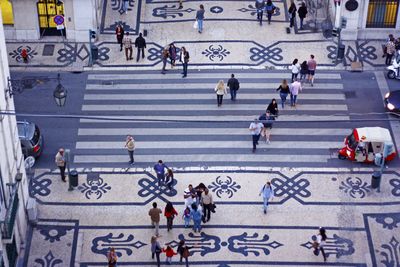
[{"x": 177, "y": 120}]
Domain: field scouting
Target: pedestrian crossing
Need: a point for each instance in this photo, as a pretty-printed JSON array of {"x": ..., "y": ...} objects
[{"x": 178, "y": 120}]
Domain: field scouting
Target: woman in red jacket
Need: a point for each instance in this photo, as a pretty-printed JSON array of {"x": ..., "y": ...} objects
[
  {"x": 169, "y": 252},
  {"x": 170, "y": 213}
]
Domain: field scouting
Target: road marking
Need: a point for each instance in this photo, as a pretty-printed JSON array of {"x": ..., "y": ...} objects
[
  {"x": 210, "y": 131},
  {"x": 203, "y": 107}
]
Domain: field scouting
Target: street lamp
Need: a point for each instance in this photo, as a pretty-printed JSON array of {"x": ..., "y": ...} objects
[{"x": 60, "y": 94}]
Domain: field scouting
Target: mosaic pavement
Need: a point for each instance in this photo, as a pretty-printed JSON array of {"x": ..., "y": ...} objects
[
  {"x": 79, "y": 226},
  {"x": 232, "y": 37}
]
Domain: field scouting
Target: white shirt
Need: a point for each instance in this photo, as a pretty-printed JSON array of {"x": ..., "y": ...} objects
[{"x": 255, "y": 128}]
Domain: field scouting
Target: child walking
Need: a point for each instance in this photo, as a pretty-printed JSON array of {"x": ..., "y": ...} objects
[
  {"x": 186, "y": 217},
  {"x": 169, "y": 252}
]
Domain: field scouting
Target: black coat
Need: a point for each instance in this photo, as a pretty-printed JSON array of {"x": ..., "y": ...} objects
[
  {"x": 140, "y": 42},
  {"x": 233, "y": 84},
  {"x": 302, "y": 12}
]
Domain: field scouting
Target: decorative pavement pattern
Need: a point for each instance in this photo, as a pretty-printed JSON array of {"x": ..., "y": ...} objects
[
  {"x": 359, "y": 233},
  {"x": 267, "y": 46}
]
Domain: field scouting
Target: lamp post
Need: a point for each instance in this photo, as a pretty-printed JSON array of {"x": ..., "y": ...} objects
[{"x": 60, "y": 93}]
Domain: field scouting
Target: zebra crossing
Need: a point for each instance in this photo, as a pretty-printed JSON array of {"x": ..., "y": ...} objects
[{"x": 177, "y": 120}]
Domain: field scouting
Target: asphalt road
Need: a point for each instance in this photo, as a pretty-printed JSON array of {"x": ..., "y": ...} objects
[{"x": 360, "y": 90}]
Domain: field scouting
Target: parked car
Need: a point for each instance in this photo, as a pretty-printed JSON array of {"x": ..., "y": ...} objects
[
  {"x": 31, "y": 139},
  {"x": 392, "y": 101}
]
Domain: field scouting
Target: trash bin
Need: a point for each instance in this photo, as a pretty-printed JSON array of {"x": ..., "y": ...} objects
[
  {"x": 73, "y": 178},
  {"x": 341, "y": 50},
  {"x": 376, "y": 179},
  {"x": 95, "y": 52}
]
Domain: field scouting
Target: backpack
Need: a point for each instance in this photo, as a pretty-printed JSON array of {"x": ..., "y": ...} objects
[
  {"x": 197, "y": 215},
  {"x": 185, "y": 253}
]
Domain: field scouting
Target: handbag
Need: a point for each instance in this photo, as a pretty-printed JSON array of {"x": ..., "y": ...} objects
[{"x": 195, "y": 24}]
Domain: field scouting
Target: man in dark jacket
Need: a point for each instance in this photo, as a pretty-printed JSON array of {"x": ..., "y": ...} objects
[
  {"x": 302, "y": 14},
  {"x": 140, "y": 44},
  {"x": 233, "y": 85}
]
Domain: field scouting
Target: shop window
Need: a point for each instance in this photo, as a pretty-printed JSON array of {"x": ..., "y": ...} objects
[
  {"x": 7, "y": 12},
  {"x": 382, "y": 13},
  {"x": 47, "y": 10}
]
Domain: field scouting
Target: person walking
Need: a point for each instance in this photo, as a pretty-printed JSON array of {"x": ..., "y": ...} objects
[
  {"x": 267, "y": 120},
  {"x": 127, "y": 41},
  {"x": 283, "y": 92},
  {"x": 390, "y": 51},
  {"x": 164, "y": 56},
  {"x": 180, "y": 4},
  {"x": 24, "y": 55},
  {"x": 220, "y": 90},
  {"x": 170, "y": 213},
  {"x": 200, "y": 18},
  {"x": 302, "y": 14},
  {"x": 295, "y": 88},
  {"x": 184, "y": 251},
  {"x": 267, "y": 193},
  {"x": 292, "y": 13},
  {"x": 119, "y": 32},
  {"x": 295, "y": 67},
  {"x": 155, "y": 249},
  {"x": 169, "y": 253},
  {"x": 197, "y": 215},
  {"x": 184, "y": 58},
  {"x": 154, "y": 214},
  {"x": 125, "y": 4},
  {"x": 319, "y": 243},
  {"x": 160, "y": 169},
  {"x": 260, "y": 5},
  {"x": 255, "y": 129},
  {"x": 140, "y": 44},
  {"x": 112, "y": 257},
  {"x": 270, "y": 8},
  {"x": 169, "y": 179},
  {"x": 61, "y": 163},
  {"x": 233, "y": 85},
  {"x": 207, "y": 202},
  {"x": 303, "y": 71},
  {"x": 172, "y": 54},
  {"x": 130, "y": 146},
  {"x": 189, "y": 194},
  {"x": 312, "y": 66}
]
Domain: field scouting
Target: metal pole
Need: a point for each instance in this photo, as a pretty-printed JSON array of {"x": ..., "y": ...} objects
[
  {"x": 67, "y": 162},
  {"x": 90, "y": 49}
]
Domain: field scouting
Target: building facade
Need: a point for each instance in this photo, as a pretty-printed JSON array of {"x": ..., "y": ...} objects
[
  {"x": 32, "y": 20},
  {"x": 13, "y": 180}
]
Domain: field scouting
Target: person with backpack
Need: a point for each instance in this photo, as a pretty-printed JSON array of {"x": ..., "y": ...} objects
[
  {"x": 267, "y": 193},
  {"x": 270, "y": 8},
  {"x": 255, "y": 129},
  {"x": 295, "y": 67},
  {"x": 233, "y": 85},
  {"x": 319, "y": 243},
  {"x": 196, "y": 215},
  {"x": 169, "y": 252},
  {"x": 155, "y": 249},
  {"x": 303, "y": 70},
  {"x": 184, "y": 251},
  {"x": 154, "y": 214},
  {"x": 170, "y": 213},
  {"x": 260, "y": 5},
  {"x": 266, "y": 119},
  {"x": 283, "y": 92}
]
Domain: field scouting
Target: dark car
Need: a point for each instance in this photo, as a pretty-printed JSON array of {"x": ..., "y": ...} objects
[
  {"x": 31, "y": 139},
  {"x": 392, "y": 101}
]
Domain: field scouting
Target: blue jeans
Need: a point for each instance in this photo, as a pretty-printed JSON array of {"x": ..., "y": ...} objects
[
  {"x": 161, "y": 178},
  {"x": 293, "y": 99},
  {"x": 200, "y": 25},
  {"x": 185, "y": 67},
  {"x": 260, "y": 15},
  {"x": 233, "y": 94},
  {"x": 301, "y": 23},
  {"x": 197, "y": 225},
  {"x": 125, "y": 5},
  {"x": 265, "y": 203},
  {"x": 283, "y": 98}
]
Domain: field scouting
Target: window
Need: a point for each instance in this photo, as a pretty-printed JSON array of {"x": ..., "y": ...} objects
[
  {"x": 7, "y": 12},
  {"x": 382, "y": 13},
  {"x": 47, "y": 10}
]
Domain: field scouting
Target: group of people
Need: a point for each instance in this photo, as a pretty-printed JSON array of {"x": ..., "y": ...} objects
[
  {"x": 170, "y": 52},
  {"x": 389, "y": 49},
  {"x": 269, "y": 8},
  {"x": 125, "y": 41}
]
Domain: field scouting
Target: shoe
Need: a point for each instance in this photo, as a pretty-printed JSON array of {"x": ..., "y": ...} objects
[
  {"x": 64, "y": 180},
  {"x": 180, "y": 7},
  {"x": 268, "y": 142},
  {"x": 133, "y": 163},
  {"x": 265, "y": 212},
  {"x": 254, "y": 150},
  {"x": 312, "y": 84},
  {"x": 184, "y": 76},
  {"x": 257, "y": 143}
]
